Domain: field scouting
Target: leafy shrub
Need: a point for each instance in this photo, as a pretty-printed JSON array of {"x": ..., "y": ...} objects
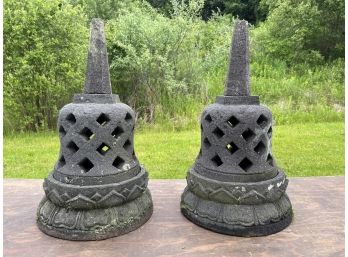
[
  {"x": 169, "y": 66},
  {"x": 157, "y": 63},
  {"x": 302, "y": 31},
  {"x": 104, "y": 9},
  {"x": 45, "y": 48}
]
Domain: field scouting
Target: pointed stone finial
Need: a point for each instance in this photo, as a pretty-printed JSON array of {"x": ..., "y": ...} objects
[
  {"x": 97, "y": 75},
  {"x": 237, "y": 81}
]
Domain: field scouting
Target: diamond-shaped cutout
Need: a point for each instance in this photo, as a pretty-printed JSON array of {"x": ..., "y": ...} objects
[
  {"x": 270, "y": 160},
  {"x": 128, "y": 117},
  {"x": 71, "y": 118},
  {"x": 117, "y": 132},
  {"x": 62, "y": 131},
  {"x": 61, "y": 162},
  {"x": 217, "y": 161},
  {"x": 260, "y": 148},
  {"x": 232, "y": 148},
  {"x": 218, "y": 132},
  {"x": 269, "y": 132},
  {"x": 72, "y": 147},
  {"x": 103, "y": 119},
  {"x": 87, "y": 133},
  {"x": 127, "y": 146},
  {"x": 208, "y": 118},
  {"x": 206, "y": 143},
  {"x": 86, "y": 165},
  {"x": 103, "y": 149},
  {"x": 248, "y": 135},
  {"x": 262, "y": 121},
  {"x": 233, "y": 121},
  {"x": 245, "y": 164},
  {"x": 118, "y": 162}
]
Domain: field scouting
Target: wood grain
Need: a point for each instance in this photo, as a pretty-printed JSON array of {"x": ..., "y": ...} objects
[{"x": 317, "y": 229}]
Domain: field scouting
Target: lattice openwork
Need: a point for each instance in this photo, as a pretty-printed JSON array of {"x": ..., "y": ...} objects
[
  {"x": 100, "y": 141},
  {"x": 236, "y": 142}
]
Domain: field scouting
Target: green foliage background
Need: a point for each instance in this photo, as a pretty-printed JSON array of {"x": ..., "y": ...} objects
[
  {"x": 45, "y": 48},
  {"x": 168, "y": 58}
]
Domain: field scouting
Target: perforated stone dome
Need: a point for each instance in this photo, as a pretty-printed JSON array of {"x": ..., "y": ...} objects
[
  {"x": 235, "y": 186},
  {"x": 97, "y": 189},
  {"x": 236, "y": 141},
  {"x": 96, "y": 140}
]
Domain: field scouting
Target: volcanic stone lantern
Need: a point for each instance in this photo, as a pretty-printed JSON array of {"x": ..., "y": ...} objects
[
  {"x": 97, "y": 188},
  {"x": 235, "y": 186}
]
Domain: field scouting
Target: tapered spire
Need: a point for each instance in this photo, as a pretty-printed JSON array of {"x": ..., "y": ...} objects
[
  {"x": 97, "y": 75},
  {"x": 237, "y": 81}
]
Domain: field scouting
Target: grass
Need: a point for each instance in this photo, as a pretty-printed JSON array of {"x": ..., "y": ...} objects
[
  {"x": 298, "y": 93},
  {"x": 301, "y": 150}
]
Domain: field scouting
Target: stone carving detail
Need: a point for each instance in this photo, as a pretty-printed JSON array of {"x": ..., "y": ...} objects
[
  {"x": 243, "y": 215},
  {"x": 80, "y": 201},
  {"x": 114, "y": 149},
  {"x": 235, "y": 186},
  {"x": 97, "y": 189},
  {"x": 242, "y": 137},
  {"x": 73, "y": 224},
  {"x": 239, "y": 193}
]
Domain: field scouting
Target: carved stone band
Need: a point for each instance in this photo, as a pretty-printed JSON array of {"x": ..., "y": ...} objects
[
  {"x": 237, "y": 193},
  {"x": 95, "y": 224},
  {"x": 239, "y": 220},
  {"x": 97, "y": 196}
]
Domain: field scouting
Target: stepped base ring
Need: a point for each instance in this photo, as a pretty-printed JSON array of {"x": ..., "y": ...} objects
[
  {"x": 95, "y": 224},
  {"x": 203, "y": 216}
]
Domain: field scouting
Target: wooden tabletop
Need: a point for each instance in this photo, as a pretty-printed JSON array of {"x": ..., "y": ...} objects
[{"x": 317, "y": 229}]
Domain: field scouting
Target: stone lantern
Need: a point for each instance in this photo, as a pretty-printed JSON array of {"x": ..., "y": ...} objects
[
  {"x": 97, "y": 188},
  {"x": 235, "y": 186}
]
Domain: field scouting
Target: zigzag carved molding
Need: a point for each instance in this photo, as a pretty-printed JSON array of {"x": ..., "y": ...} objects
[
  {"x": 96, "y": 199},
  {"x": 236, "y": 196}
]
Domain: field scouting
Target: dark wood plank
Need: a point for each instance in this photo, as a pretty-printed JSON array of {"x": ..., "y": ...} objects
[{"x": 317, "y": 230}]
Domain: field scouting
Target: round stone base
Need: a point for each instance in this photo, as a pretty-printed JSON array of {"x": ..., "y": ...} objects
[
  {"x": 94, "y": 224},
  {"x": 237, "y": 220}
]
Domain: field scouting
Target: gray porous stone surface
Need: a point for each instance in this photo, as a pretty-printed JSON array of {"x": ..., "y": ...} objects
[
  {"x": 97, "y": 74},
  {"x": 237, "y": 81},
  {"x": 97, "y": 189},
  {"x": 235, "y": 186}
]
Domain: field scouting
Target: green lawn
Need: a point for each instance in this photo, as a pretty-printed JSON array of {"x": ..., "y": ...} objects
[{"x": 301, "y": 150}]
